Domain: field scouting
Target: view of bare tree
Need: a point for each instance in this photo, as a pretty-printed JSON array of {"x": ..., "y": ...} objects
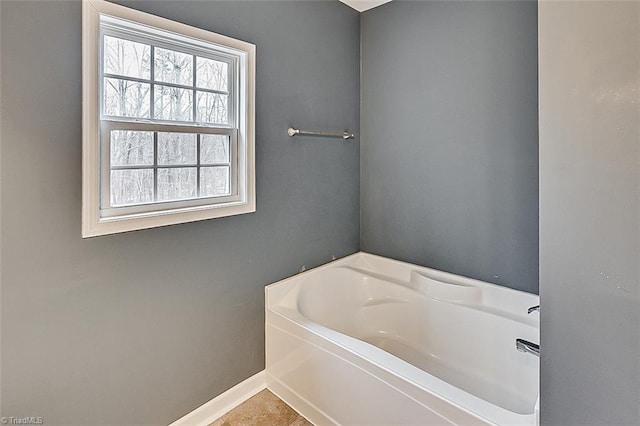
[{"x": 132, "y": 72}]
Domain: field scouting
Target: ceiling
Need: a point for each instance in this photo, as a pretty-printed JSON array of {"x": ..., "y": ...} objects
[{"x": 362, "y": 5}]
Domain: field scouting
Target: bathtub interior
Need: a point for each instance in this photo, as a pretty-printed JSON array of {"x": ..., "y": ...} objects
[{"x": 459, "y": 330}]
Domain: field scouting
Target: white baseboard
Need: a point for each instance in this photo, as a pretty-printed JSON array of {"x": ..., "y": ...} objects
[{"x": 223, "y": 403}]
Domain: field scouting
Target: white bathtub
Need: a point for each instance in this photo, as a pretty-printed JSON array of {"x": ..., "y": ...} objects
[{"x": 368, "y": 340}]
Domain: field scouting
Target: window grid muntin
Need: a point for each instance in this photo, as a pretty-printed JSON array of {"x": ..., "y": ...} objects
[
  {"x": 155, "y": 168},
  {"x": 152, "y": 93},
  {"x": 170, "y": 166},
  {"x": 163, "y": 83},
  {"x": 198, "y": 161},
  {"x": 194, "y": 105},
  {"x": 194, "y": 90}
]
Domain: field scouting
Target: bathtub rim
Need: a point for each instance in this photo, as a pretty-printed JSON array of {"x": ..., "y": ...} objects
[{"x": 363, "y": 254}]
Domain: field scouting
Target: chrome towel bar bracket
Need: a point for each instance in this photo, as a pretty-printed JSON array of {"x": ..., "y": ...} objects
[{"x": 344, "y": 135}]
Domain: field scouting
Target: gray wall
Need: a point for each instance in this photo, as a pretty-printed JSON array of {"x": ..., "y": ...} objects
[
  {"x": 590, "y": 213},
  {"x": 449, "y": 123},
  {"x": 143, "y": 327}
]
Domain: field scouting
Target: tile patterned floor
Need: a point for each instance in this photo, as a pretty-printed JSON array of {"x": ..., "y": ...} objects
[{"x": 262, "y": 409}]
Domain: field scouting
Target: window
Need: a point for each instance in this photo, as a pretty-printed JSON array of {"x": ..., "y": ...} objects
[{"x": 168, "y": 122}]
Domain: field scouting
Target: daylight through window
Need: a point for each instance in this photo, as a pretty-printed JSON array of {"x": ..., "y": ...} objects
[{"x": 175, "y": 120}]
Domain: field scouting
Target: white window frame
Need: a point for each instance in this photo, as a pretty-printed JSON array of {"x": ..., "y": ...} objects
[{"x": 102, "y": 220}]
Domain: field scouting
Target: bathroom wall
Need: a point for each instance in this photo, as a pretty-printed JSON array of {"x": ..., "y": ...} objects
[
  {"x": 143, "y": 327},
  {"x": 590, "y": 213},
  {"x": 450, "y": 137}
]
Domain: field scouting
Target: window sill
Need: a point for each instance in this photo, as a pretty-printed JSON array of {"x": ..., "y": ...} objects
[{"x": 132, "y": 222}]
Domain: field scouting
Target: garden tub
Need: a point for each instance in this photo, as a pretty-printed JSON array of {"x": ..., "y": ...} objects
[{"x": 368, "y": 340}]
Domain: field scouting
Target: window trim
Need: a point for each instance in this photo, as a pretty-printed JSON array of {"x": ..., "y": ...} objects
[{"x": 94, "y": 223}]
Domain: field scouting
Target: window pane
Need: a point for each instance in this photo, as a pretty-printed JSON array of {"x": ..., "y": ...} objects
[
  {"x": 177, "y": 148},
  {"x": 177, "y": 183},
  {"x": 131, "y": 187},
  {"x": 173, "y": 67},
  {"x": 214, "y": 149},
  {"x": 211, "y": 74},
  {"x": 124, "y": 98},
  {"x": 131, "y": 148},
  {"x": 212, "y": 108},
  {"x": 173, "y": 104},
  {"x": 127, "y": 58},
  {"x": 214, "y": 181}
]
